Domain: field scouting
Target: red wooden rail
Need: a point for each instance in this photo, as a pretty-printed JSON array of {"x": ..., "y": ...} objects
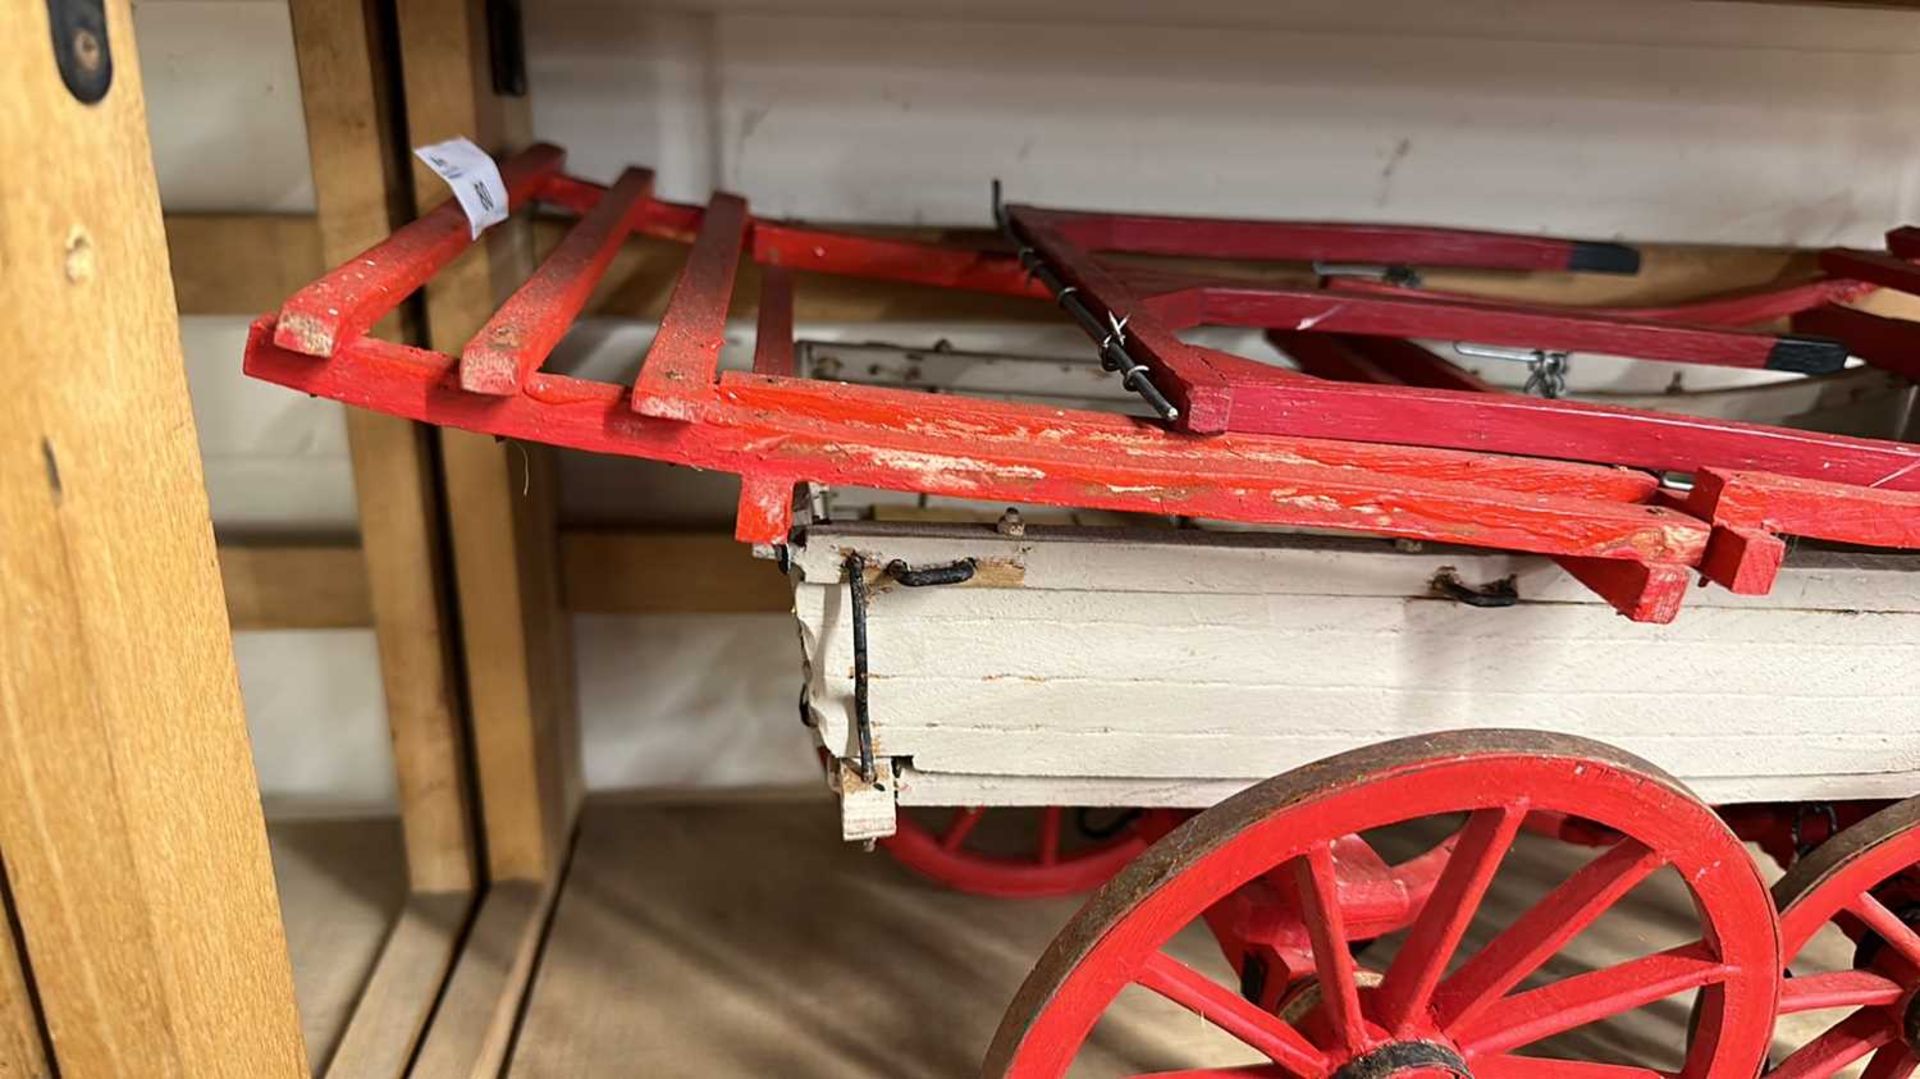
[{"x": 1396, "y": 469}]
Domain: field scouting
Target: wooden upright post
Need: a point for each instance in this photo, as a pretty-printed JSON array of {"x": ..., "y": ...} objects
[
  {"x": 500, "y": 497},
  {"x": 135, "y": 851},
  {"x": 348, "y": 93}
]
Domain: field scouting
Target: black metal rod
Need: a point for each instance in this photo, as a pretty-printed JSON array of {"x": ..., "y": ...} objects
[
  {"x": 862, "y": 720},
  {"x": 1110, "y": 334}
]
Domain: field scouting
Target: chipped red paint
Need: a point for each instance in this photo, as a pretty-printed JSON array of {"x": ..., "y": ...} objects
[
  {"x": 519, "y": 337},
  {"x": 677, "y": 375},
  {"x": 900, "y": 440},
  {"x": 1398, "y": 471},
  {"x": 346, "y": 302}
]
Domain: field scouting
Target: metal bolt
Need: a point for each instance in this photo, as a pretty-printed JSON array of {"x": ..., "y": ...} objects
[{"x": 86, "y": 50}]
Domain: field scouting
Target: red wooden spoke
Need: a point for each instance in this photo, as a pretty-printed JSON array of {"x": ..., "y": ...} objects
[
  {"x": 1248, "y": 1072},
  {"x": 1588, "y": 998},
  {"x": 1315, "y": 879},
  {"x": 1321, "y": 241},
  {"x": 522, "y": 334},
  {"x": 1268, "y": 1034},
  {"x": 1516, "y": 1067},
  {"x": 1255, "y": 1071},
  {"x": 1898, "y": 934},
  {"x": 901, "y": 440},
  {"x": 1891, "y": 344},
  {"x": 1890, "y": 1062},
  {"x": 677, "y": 376},
  {"x": 1050, "y": 835},
  {"x": 1423, "y": 959},
  {"x": 1881, "y": 269},
  {"x": 1746, "y": 308},
  {"x": 1835, "y": 885},
  {"x": 944, "y": 858},
  {"x": 1231, "y": 866},
  {"x": 1843, "y": 1043},
  {"x": 345, "y": 303},
  {"x": 1547, "y": 926},
  {"x": 1837, "y": 989},
  {"x": 961, "y": 827}
]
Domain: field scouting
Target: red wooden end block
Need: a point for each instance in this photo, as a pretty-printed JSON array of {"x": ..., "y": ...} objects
[
  {"x": 1843, "y": 513},
  {"x": 1883, "y": 270},
  {"x": 1890, "y": 344},
  {"x": 766, "y": 509},
  {"x": 345, "y": 303},
  {"x": 1744, "y": 561},
  {"x": 678, "y": 374},
  {"x": 1904, "y": 242},
  {"x": 519, "y": 337},
  {"x": 1643, "y": 591}
]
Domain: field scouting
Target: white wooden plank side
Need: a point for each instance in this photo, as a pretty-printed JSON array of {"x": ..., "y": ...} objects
[{"x": 1174, "y": 670}]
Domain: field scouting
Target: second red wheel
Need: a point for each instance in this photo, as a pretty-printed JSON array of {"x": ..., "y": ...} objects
[{"x": 1042, "y": 851}]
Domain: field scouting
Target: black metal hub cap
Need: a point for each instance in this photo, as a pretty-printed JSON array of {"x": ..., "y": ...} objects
[{"x": 1403, "y": 1058}]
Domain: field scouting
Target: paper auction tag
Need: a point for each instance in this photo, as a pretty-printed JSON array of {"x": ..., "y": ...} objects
[{"x": 474, "y": 177}]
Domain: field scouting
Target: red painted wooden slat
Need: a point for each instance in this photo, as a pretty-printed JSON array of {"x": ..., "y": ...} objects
[
  {"x": 1324, "y": 241},
  {"x": 1750, "y": 307},
  {"x": 898, "y": 440},
  {"x": 344, "y": 304},
  {"x": 677, "y": 376},
  {"x": 1890, "y": 344},
  {"x": 1843, "y": 513},
  {"x": 1904, "y": 242},
  {"x": 521, "y": 335},
  {"x": 1884, "y": 270}
]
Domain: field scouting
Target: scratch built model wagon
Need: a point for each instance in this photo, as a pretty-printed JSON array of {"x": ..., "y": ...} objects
[{"x": 1400, "y": 602}]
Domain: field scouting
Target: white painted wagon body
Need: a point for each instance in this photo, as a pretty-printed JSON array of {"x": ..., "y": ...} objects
[{"x": 1173, "y": 667}]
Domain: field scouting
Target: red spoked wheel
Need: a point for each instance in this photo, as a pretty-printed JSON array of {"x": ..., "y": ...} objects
[
  {"x": 1286, "y": 845},
  {"x": 1865, "y": 882},
  {"x": 1048, "y": 851}
]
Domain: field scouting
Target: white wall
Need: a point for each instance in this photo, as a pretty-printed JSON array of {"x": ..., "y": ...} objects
[{"x": 1644, "y": 119}]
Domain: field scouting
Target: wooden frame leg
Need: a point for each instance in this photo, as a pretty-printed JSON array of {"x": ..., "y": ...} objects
[
  {"x": 129, "y": 815},
  {"x": 500, "y": 497},
  {"x": 348, "y": 95}
]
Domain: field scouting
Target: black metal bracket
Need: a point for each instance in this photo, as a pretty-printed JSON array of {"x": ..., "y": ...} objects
[
  {"x": 1500, "y": 593},
  {"x": 931, "y": 576},
  {"x": 80, "y": 47},
  {"x": 862, "y": 717},
  {"x": 507, "y": 48}
]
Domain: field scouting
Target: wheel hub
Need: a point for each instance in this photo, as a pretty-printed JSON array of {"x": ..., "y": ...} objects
[{"x": 1404, "y": 1060}]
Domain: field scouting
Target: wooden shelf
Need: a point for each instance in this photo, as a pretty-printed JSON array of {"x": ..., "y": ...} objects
[{"x": 740, "y": 937}]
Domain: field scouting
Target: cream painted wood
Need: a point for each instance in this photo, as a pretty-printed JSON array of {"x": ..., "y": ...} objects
[{"x": 1092, "y": 667}]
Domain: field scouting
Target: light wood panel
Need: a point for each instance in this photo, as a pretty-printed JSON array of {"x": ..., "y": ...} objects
[
  {"x": 295, "y": 587},
  {"x": 229, "y": 264},
  {"x": 135, "y": 849},
  {"x": 362, "y": 196},
  {"x": 668, "y": 573},
  {"x": 500, "y": 497}
]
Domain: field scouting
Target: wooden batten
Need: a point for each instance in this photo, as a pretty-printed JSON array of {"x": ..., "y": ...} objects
[
  {"x": 136, "y": 855},
  {"x": 360, "y": 193}
]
